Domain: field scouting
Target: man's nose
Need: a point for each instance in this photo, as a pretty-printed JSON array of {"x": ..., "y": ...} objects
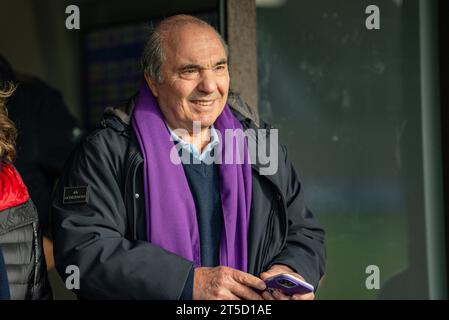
[{"x": 208, "y": 82}]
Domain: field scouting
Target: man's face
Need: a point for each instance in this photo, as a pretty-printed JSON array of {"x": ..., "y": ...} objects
[{"x": 195, "y": 78}]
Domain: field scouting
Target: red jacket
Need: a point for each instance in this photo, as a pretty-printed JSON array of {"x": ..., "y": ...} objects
[
  {"x": 12, "y": 189},
  {"x": 21, "y": 239}
]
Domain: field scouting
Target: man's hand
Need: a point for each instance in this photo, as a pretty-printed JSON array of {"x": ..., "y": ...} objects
[
  {"x": 277, "y": 294},
  {"x": 224, "y": 283}
]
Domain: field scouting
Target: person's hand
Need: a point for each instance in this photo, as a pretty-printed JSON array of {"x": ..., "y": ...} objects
[
  {"x": 48, "y": 253},
  {"x": 277, "y": 294},
  {"x": 224, "y": 283}
]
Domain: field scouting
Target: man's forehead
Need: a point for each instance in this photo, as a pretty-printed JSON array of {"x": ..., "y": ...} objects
[
  {"x": 196, "y": 48},
  {"x": 200, "y": 53},
  {"x": 190, "y": 29},
  {"x": 204, "y": 59}
]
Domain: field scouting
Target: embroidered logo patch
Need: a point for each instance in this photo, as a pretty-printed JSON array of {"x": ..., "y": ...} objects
[{"x": 75, "y": 195}]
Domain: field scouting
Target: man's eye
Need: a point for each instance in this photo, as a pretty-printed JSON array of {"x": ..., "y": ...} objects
[{"x": 189, "y": 71}]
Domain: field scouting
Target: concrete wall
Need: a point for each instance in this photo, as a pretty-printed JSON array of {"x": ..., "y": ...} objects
[{"x": 241, "y": 36}]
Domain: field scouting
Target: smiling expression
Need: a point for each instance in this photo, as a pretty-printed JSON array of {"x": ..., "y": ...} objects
[{"x": 195, "y": 77}]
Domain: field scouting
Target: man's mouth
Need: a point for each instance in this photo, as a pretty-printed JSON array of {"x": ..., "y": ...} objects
[{"x": 203, "y": 103}]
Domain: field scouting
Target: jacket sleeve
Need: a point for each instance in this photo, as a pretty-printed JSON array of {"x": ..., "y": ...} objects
[
  {"x": 91, "y": 235},
  {"x": 304, "y": 250}
]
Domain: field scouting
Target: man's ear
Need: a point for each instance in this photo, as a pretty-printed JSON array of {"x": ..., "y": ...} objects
[{"x": 152, "y": 84}]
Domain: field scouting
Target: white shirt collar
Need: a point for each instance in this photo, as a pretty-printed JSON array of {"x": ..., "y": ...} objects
[{"x": 214, "y": 140}]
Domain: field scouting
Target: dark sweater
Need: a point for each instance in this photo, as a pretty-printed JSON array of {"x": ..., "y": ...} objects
[
  {"x": 205, "y": 187},
  {"x": 204, "y": 183}
]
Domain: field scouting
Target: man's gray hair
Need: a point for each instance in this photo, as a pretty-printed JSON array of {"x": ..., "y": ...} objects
[{"x": 153, "y": 54}]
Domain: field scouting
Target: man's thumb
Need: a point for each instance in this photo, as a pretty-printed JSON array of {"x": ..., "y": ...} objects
[{"x": 264, "y": 275}]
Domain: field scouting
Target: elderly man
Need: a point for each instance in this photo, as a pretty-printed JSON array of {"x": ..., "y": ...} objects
[{"x": 139, "y": 224}]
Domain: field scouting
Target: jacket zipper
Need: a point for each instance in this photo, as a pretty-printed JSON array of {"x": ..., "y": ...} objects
[
  {"x": 130, "y": 193},
  {"x": 36, "y": 258}
]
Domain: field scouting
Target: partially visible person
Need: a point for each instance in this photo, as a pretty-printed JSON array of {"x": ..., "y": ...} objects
[
  {"x": 4, "y": 287},
  {"x": 20, "y": 233},
  {"x": 47, "y": 134}
]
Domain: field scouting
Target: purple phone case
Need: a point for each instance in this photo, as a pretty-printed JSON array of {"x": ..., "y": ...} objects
[{"x": 300, "y": 286}]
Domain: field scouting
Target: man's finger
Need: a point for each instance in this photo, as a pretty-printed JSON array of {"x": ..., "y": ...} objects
[
  {"x": 231, "y": 296},
  {"x": 278, "y": 295},
  {"x": 267, "y": 295},
  {"x": 307, "y": 296},
  {"x": 249, "y": 280},
  {"x": 244, "y": 292},
  {"x": 266, "y": 275}
]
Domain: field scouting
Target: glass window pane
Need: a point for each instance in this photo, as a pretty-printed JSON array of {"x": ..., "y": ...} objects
[{"x": 347, "y": 101}]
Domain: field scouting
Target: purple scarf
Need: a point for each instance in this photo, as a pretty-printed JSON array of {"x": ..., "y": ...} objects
[{"x": 170, "y": 208}]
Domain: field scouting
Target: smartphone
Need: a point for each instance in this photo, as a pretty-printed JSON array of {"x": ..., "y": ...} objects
[{"x": 288, "y": 284}]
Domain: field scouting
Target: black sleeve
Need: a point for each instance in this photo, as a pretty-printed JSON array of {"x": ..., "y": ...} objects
[
  {"x": 59, "y": 132},
  {"x": 91, "y": 235},
  {"x": 305, "y": 250},
  {"x": 187, "y": 292}
]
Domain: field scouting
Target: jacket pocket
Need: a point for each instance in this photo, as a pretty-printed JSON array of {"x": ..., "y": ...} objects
[
  {"x": 275, "y": 232},
  {"x": 269, "y": 234}
]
